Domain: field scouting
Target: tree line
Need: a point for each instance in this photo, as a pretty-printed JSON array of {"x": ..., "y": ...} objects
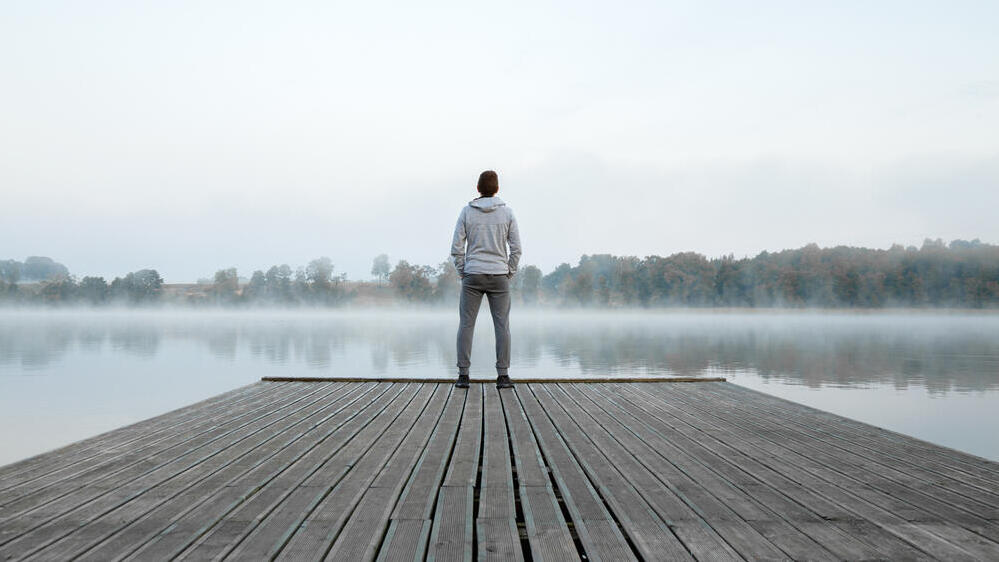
[
  {"x": 961, "y": 274},
  {"x": 142, "y": 286}
]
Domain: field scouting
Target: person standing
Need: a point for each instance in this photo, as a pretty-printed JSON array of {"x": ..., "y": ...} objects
[{"x": 479, "y": 248}]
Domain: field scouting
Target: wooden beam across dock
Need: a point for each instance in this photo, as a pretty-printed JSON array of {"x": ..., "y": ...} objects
[{"x": 347, "y": 469}]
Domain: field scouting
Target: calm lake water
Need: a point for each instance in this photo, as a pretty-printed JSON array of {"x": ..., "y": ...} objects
[{"x": 69, "y": 375}]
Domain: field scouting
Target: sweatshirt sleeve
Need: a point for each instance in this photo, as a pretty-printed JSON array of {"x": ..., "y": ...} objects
[
  {"x": 458, "y": 244},
  {"x": 513, "y": 239}
]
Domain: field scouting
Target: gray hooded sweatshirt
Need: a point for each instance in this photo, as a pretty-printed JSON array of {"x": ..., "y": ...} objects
[{"x": 488, "y": 226}]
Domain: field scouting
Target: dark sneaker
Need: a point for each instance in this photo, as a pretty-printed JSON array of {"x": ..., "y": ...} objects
[
  {"x": 462, "y": 381},
  {"x": 503, "y": 381}
]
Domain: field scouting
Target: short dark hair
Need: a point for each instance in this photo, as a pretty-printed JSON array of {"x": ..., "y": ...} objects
[{"x": 488, "y": 183}]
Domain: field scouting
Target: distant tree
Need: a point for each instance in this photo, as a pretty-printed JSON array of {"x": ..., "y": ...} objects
[
  {"x": 580, "y": 287},
  {"x": 448, "y": 285},
  {"x": 10, "y": 271},
  {"x": 965, "y": 245},
  {"x": 929, "y": 244},
  {"x": 60, "y": 290},
  {"x": 140, "y": 286},
  {"x": 319, "y": 274},
  {"x": 626, "y": 279},
  {"x": 324, "y": 286},
  {"x": 730, "y": 284},
  {"x": 530, "y": 283},
  {"x": 279, "y": 283},
  {"x": 412, "y": 282},
  {"x": 40, "y": 268},
  {"x": 380, "y": 268},
  {"x": 300, "y": 285},
  {"x": 226, "y": 286},
  {"x": 8, "y": 291},
  {"x": 256, "y": 289},
  {"x": 93, "y": 290},
  {"x": 555, "y": 282},
  {"x": 596, "y": 279},
  {"x": 958, "y": 274}
]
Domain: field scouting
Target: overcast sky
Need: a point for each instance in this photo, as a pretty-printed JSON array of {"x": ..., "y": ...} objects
[{"x": 191, "y": 136}]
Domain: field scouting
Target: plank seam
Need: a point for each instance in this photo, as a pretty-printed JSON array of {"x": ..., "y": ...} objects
[
  {"x": 561, "y": 439},
  {"x": 208, "y": 413},
  {"x": 445, "y": 463},
  {"x": 525, "y": 545},
  {"x": 804, "y": 447},
  {"x": 476, "y": 490},
  {"x": 195, "y": 541},
  {"x": 149, "y": 539},
  {"x": 303, "y": 518},
  {"x": 286, "y": 538},
  {"x": 152, "y": 470},
  {"x": 555, "y": 488},
  {"x": 857, "y": 443},
  {"x": 353, "y": 508},
  {"x": 856, "y": 498},
  {"x": 706, "y": 466}
]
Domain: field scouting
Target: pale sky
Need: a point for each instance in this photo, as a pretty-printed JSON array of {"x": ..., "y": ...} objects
[{"x": 192, "y": 136}]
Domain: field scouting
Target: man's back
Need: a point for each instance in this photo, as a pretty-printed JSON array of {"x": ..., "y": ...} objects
[{"x": 486, "y": 226}]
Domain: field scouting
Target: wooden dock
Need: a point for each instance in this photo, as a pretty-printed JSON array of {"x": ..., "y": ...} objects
[{"x": 342, "y": 470}]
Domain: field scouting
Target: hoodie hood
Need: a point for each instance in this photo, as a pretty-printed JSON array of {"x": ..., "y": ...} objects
[{"x": 487, "y": 204}]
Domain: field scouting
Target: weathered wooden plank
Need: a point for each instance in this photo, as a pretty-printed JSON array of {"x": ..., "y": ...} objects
[
  {"x": 145, "y": 494},
  {"x": 360, "y": 534},
  {"x": 499, "y": 540},
  {"x": 880, "y": 439},
  {"x": 586, "y": 508},
  {"x": 104, "y": 466},
  {"x": 73, "y": 451},
  {"x": 318, "y": 531},
  {"x": 402, "y": 471},
  {"x": 56, "y": 519},
  {"x": 80, "y": 465},
  {"x": 406, "y": 540},
  {"x": 878, "y": 481},
  {"x": 496, "y": 514},
  {"x": 464, "y": 467},
  {"x": 950, "y": 482},
  {"x": 547, "y": 531},
  {"x": 496, "y": 500},
  {"x": 273, "y": 487},
  {"x": 693, "y": 431},
  {"x": 853, "y": 500},
  {"x": 201, "y": 507},
  {"x": 420, "y": 492},
  {"x": 415, "y": 486},
  {"x": 344, "y": 408},
  {"x": 453, "y": 528},
  {"x": 710, "y": 465},
  {"x": 647, "y": 512},
  {"x": 715, "y": 499},
  {"x": 867, "y": 520}
]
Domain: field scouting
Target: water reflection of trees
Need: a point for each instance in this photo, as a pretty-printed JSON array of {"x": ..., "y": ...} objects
[
  {"x": 37, "y": 344},
  {"x": 939, "y": 353}
]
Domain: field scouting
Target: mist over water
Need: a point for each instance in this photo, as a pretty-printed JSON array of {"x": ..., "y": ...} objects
[{"x": 66, "y": 375}]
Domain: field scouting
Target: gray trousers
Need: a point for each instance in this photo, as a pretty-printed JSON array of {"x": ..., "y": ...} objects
[{"x": 497, "y": 290}]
